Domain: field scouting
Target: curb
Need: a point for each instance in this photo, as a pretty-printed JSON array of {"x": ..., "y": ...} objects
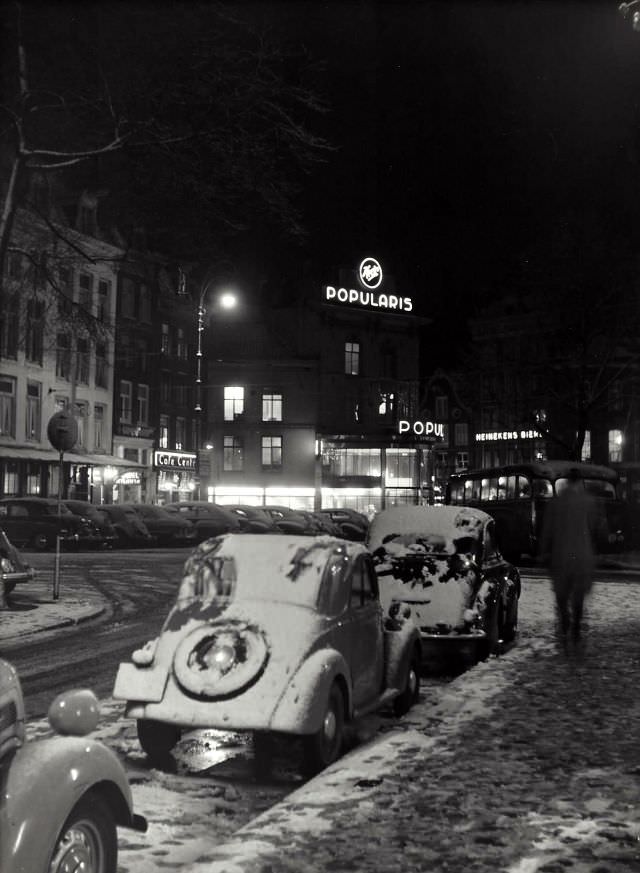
[{"x": 53, "y": 626}]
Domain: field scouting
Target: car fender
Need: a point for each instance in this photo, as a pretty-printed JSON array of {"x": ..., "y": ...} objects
[
  {"x": 301, "y": 707},
  {"x": 41, "y": 785},
  {"x": 400, "y": 642}
]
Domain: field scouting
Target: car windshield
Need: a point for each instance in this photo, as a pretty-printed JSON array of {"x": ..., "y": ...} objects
[{"x": 256, "y": 567}]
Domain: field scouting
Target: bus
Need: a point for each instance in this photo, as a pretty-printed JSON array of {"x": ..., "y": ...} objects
[{"x": 516, "y": 495}]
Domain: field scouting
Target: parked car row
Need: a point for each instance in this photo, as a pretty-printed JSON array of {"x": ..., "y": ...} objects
[{"x": 36, "y": 523}]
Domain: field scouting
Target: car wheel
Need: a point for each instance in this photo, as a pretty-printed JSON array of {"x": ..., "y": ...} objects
[
  {"x": 493, "y": 630},
  {"x": 88, "y": 839},
  {"x": 8, "y": 587},
  {"x": 511, "y": 623},
  {"x": 405, "y": 700},
  {"x": 157, "y": 738},
  {"x": 324, "y": 747},
  {"x": 41, "y": 542},
  {"x": 262, "y": 753}
]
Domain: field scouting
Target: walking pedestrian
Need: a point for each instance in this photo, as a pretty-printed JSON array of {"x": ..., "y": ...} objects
[{"x": 567, "y": 544}]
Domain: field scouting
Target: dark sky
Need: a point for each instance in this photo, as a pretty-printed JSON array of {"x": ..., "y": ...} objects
[{"x": 466, "y": 131}]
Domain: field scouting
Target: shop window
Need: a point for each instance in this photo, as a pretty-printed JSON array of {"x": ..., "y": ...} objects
[
  {"x": 10, "y": 327},
  {"x": 143, "y": 404},
  {"x": 272, "y": 451},
  {"x": 7, "y": 406},
  {"x": 181, "y": 433},
  {"x": 352, "y": 358},
  {"x": 34, "y": 411},
  {"x": 10, "y": 484},
  {"x": 35, "y": 331},
  {"x": 233, "y": 402},
  {"x": 125, "y": 410},
  {"x": 461, "y": 433},
  {"x": 616, "y": 440},
  {"x": 82, "y": 361},
  {"x": 163, "y": 433},
  {"x": 63, "y": 356},
  {"x": 233, "y": 454},
  {"x": 400, "y": 471},
  {"x": 271, "y": 407},
  {"x": 99, "y": 440},
  {"x": 33, "y": 478},
  {"x": 355, "y": 462}
]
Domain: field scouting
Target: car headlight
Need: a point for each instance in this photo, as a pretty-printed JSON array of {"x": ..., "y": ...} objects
[
  {"x": 6, "y": 566},
  {"x": 217, "y": 661}
]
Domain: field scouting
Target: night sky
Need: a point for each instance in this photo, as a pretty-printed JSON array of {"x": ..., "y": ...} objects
[{"x": 466, "y": 132}]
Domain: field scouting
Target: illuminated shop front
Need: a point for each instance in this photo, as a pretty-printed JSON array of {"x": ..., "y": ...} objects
[
  {"x": 176, "y": 475},
  {"x": 281, "y": 495}
]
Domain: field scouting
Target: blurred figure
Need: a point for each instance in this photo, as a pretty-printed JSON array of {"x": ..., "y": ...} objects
[{"x": 567, "y": 544}]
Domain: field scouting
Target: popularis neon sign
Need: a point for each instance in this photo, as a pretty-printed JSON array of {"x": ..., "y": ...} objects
[{"x": 370, "y": 277}]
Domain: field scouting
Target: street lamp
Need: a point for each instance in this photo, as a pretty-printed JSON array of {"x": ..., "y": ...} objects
[
  {"x": 625, "y": 9},
  {"x": 227, "y": 301}
]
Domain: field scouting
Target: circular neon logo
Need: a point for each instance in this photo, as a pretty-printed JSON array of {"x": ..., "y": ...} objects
[{"x": 370, "y": 273}]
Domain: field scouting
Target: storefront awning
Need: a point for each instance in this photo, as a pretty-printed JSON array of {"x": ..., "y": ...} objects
[{"x": 28, "y": 454}]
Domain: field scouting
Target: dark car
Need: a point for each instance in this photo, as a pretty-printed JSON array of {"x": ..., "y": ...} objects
[
  {"x": 209, "y": 519},
  {"x": 253, "y": 519},
  {"x": 13, "y": 569},
  {"x": 291, "y": 521},
  {"x": 441, "y": 565},
  {"x": 353, "y": 525},
  {"x": 97, "y": 517},
  {"x": 35, "y": 522},
  {"x": 167, "y": 528},
  {"x": 131, "y": 531}
]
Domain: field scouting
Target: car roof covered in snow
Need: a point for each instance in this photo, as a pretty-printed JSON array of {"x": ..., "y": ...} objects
[{"x": 439, "y": 524}]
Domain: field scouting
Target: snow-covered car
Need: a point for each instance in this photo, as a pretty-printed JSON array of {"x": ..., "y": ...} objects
[
  {"x": 272, "y": 633},
  {"x": 441, "y": 566},
  {"x": 62, "y": 796},
  {"x": 13, "y": 568}
]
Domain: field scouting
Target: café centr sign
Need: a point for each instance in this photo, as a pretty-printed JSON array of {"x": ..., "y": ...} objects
[
  {"x": 163, "y": 460},
  {"x": 370, "y": 278}
]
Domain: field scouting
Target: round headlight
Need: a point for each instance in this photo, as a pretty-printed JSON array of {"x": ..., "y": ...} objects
[{"x": 6, "y": 566}]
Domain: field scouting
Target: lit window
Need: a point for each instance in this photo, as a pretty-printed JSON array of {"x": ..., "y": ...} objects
[
  {"x": 352, "y": 358},
  {"x": 585, "y": 455},
  {"x": 616, "y": 440},
  {"x": 272, "y": 407},
  {"x": 163, "y": 439},
  {"x": 233, "y": 454},
  {"x": 386, "y": 404},
  {"x": 271, "y": 451},
  {"x": 233, "y": 402}
]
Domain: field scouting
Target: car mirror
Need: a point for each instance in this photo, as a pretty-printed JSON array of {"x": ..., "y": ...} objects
[{"x": 74, "y": 713}]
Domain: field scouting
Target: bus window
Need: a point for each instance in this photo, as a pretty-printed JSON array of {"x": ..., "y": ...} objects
[
  {"x": 542, "y": 488},
  {"x": 489, "y": 489},
  {"x": 524, "y": 487},
  {"x": 471, "y": 490},
  {"x": 502, "y": 487},
  {"x": 600, "y": 488},
  {"x": 511, "y": 487}
]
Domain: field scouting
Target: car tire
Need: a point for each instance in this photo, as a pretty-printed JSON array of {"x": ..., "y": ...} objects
[
  {"x": 262, "y": 753},
  {"x": 511, "y": 622},
  {"x": 325, "y": 745},
  {"x": 88, "y": 839},
  {"x": 41, "y": 542},
  {"x": 406, "y": 699},
  {"x": 494, "y": 630},
  {"x": 157, "y": 739}
]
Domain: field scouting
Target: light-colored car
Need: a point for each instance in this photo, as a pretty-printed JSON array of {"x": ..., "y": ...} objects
[
  {"x": 63, "y": 796},
  {"x": 272, "y": 633},
  {"x": 441, "y": 566}
]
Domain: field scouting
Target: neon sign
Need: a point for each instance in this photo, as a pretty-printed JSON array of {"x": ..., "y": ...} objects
[
  {"x": 370, "y": 277},
  {"x": 370, "y": 273},
  {"x": 495, "y": 436},
  {"x": 174, "y": 460},
  {"x": 421, "y": 428}
]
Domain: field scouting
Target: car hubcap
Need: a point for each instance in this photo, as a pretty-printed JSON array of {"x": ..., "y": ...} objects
[
  {"x": 78, "y": 851},
  {"x": 330, "y": 726},
  {"x": 413, "y": 681}
]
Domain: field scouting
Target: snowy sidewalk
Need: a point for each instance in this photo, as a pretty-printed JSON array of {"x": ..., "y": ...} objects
[{"x": 529, "y": 762}]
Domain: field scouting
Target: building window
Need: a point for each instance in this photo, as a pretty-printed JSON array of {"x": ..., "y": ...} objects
[
  {"x": 128, "y": 299},
  {"x": 126, "y": 355},
  {"x": 65, "y": 300},
  {"x": 34, "y": 411},
  {"x": 85, "y": 292},
  {"x": 11, "y": 481},
  {"x": 353, "y": 462},
  {"x": 233, "y": 454},
  {"x": 145, "y": 304},
  {"x": 10, "y": 327},
  {"x": 180, "y": 394},
  {"x": 101, "y": 365},
  {"x": 142, "y": 355},
  {"x": 461, "y": 433},
  {"x": 272, "y": 451},
  {"x": 442, "y": 408},
  {"x": 82, "y": 361},
  {"x": 585, "y": 454},
  {"x": 165, "y": 390},
  {"x": 181, "y": 433},
  {"x": 104, "y": 295},
  {"x": 352, "y": 358},
  {"x": 165, "y": 342},
  {"x": 35, "y": 329},
  {"x": 63, "y": 356},
  {"x": 33, "y": 478},
  {"x": 616, "y": 440},
  {"x": 271, "y": 407},
  {"x": 143, "y": 405},
  {"x": 98, "y": 427},
  {"x": 7, "y": 406},
  {"x": 81, "y": 420},
  {"x": 615, "y": 396},
  {"x": 233, "y": 402},
  {"x": 386, "y": 404},
  {"x": 125, "y": 402},
  {"x": 131, "y": 455},
  {"x": 401, "y": 468},
  {"x": 181, "y": 344},
  {"x": 462, "y": 461},
  {"x": 163, "y": 440}
]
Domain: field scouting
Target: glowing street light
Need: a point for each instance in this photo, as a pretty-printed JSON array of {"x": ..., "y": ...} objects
[{"x": 228, "y": 300}]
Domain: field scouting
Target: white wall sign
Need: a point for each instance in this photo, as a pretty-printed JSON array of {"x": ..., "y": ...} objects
[
  {"x": 421, "y": 428},
  {"x": 164, "y": 460},
  {"x": 496, "y": 436}
]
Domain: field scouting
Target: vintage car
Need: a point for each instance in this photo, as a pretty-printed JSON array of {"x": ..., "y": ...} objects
[
  {"x": 131, "y": 531},
  {"x": 272, "y": 633},
  {"x": 36, "y": 522},
  {"x": 441, "y": 565},
  {"x": 208, "y": 519},
  {"x": 62, "y": 796},
  {"x": 167, "y": 528},
  {"x": 13, "y": 569}
]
